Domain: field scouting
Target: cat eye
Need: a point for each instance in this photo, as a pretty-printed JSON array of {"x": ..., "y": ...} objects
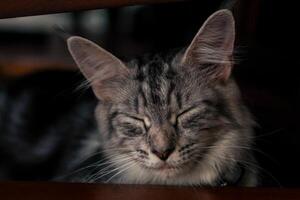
[
  {"x": 195, "y": 118},
  {"x": 173, "y": 118},
  {"x": 129, "y": 125},
  {"x": 187, "y": 111},
  {"x": 131, "y": 130}
]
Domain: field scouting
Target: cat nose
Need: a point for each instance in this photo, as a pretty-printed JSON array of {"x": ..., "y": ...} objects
[{"x": 163, "y": 154}]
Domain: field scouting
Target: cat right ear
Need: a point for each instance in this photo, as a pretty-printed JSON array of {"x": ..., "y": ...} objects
[
  {"x": 212, "y": 48},
  {"x": 106, "y": 73}
]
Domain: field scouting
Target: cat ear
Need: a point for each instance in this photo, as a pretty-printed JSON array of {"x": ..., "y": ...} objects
[
  {"x": 212, "y": 48},
  {"x": 106, "y": 73}
]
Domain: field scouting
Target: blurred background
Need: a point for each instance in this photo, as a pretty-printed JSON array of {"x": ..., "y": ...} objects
[{"x": 268, "y": 39}]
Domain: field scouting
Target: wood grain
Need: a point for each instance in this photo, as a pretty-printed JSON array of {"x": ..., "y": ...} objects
[
  {"x": 17, "y": 8},
  {"x": 63, "y": 191}
]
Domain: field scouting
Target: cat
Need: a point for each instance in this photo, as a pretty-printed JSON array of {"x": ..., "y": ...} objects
[{"x": 174, "y": 119}]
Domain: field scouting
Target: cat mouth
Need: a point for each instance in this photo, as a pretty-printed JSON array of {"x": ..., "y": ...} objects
[{"x": 163, "y": 167}]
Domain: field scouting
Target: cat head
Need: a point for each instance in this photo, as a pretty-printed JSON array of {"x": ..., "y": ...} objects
[{"x": 169, "y": 119}]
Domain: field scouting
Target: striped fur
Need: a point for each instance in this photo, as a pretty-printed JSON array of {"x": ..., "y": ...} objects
[{"x": 171, "y": 119}]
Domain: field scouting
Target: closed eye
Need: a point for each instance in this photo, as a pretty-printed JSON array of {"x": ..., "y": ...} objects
[
  {"x": 133, "y": 117},
  {"x": 129, "y": 125},
  {"x": 130, "y": 129},
  {"x": 199, "y": 118},
  {"x": 145, "y": 120},
  {"x": 199, "y": 106},
  {"x": 187, "y": 110},
  {"x": 174, "y": 118}
]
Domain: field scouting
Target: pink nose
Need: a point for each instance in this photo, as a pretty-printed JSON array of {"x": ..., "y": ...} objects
[{"x": 163, "y": 154}]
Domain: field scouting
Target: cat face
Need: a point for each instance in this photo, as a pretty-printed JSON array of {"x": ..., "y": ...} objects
[{"x": 170, "y": 119}]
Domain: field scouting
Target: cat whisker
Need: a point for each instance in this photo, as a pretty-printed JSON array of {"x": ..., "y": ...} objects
[
  {"x": 101, "y": 152},
  {"x": 268, "y": 133},
  {"x": 113, "y": 161},
  {"x": 121, "y": 171},
  {"x": 105, "y": 166},
  {"x": 100, "y": 175},
  {"x": 245, "y": 148},
  {"x": 95, "y": 164}
]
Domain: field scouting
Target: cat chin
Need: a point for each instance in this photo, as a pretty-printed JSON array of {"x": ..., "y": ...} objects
[{"x": 189, "y": 176}]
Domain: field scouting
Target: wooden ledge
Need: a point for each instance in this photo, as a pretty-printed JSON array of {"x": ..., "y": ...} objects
[
  {"x": 19, "y": 8},
  {"x": 63, "y": 191}
]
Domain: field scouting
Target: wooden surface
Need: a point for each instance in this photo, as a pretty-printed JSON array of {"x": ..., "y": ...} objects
[
  {"x": 18, "y": 8},
  {"x": 61, "y": 191}
]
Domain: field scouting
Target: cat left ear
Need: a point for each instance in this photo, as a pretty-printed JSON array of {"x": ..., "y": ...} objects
[
  {"x": 106, "y": 73},
  {"x": 212, "y": 48}
]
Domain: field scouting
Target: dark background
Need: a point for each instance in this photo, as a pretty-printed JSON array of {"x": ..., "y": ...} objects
[{"x": 268, "y": 39}]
